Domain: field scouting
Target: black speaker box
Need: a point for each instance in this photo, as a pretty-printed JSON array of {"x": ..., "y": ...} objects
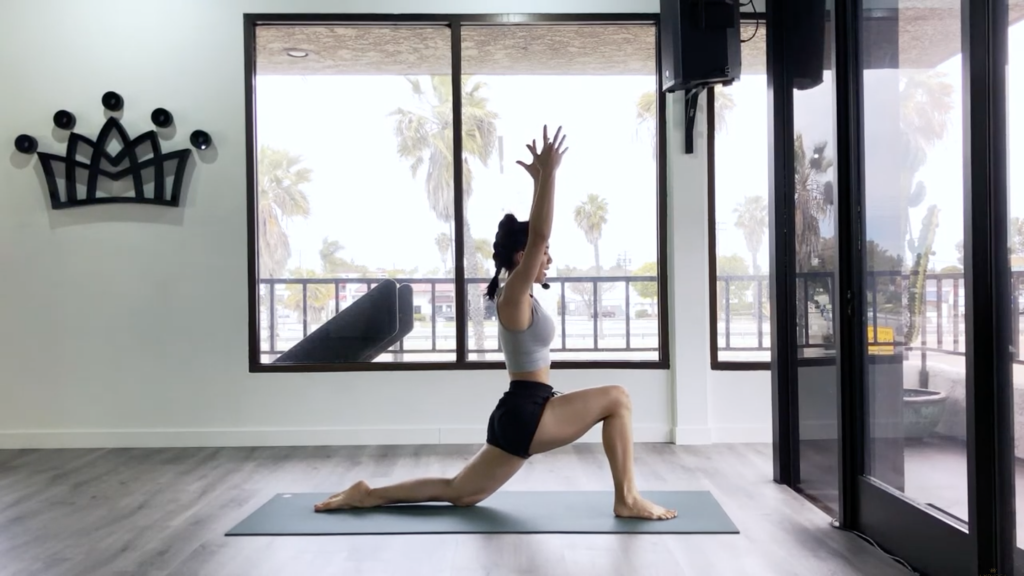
[
  {"x": 700, "y": 43},
  {"x": 806, "y": 50}
]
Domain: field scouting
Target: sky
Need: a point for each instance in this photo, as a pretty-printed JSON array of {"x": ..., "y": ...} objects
[
  {"x": 743, "y": 163},
  {"x": 365, "y": 196}
]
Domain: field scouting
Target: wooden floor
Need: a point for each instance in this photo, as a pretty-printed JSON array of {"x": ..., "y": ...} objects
[{"x": 163, "y": 512}]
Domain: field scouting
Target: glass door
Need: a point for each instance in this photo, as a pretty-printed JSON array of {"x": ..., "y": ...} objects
[
  {"x": 934, "y": 384},
  {"x": 912, "y": 270},
  {"x": 1015, "y": 239},
  {"x": 897, "y": 247}
]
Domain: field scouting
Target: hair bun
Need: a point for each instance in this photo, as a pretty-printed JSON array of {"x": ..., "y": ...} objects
[{"x": 508, "y": 222}]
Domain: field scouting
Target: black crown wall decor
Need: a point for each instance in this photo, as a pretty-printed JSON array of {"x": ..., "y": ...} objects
[{"x": 139, "y": 161}]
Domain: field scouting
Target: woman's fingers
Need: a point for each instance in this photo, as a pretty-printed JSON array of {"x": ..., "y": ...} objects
[{"x": 550, "y": 144}]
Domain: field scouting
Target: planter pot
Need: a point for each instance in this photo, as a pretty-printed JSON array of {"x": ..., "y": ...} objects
[{"x": 922, "y": 411}]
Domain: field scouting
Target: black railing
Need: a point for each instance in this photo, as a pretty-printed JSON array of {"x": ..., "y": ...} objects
[
  {"x": 291, "y": 308},
  {"x": 744, "y": 315}
]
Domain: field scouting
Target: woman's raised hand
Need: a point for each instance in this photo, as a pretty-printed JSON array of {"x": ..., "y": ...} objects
[{"x": 550, "y": 156}]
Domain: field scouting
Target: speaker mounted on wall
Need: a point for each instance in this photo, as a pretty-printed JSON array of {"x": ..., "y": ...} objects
[
  {"x": 139, "y": 159},
  {"x": 700, "y": 47},
  {"x": 806, "y": 51}
]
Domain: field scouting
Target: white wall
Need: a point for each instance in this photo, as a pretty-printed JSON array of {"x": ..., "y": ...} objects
[{"x": 127, "y": 325}]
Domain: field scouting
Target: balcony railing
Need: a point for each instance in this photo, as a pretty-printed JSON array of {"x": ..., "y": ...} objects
[
  {"x": 744, "y": 315},
  {"x": 291, "y": 308}
]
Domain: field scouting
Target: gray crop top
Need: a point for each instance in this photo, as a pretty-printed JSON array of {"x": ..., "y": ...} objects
[{"x": 530, "y": 349}]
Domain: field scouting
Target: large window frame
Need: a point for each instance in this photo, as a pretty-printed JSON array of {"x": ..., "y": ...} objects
[
  {"x": 454, "y": 22},
  {"x": 760, "y": 18},
  {"x": 927, "y": 539}
]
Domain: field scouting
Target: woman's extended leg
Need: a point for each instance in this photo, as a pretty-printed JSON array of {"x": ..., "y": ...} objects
[
  {"x": 569, "y": 416},
  {"x": 489, "y": 470}
]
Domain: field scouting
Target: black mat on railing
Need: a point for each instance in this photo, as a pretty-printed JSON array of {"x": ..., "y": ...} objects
[
  {"x": 357, "y": 333},
  {"x": 406, "y": 322}
]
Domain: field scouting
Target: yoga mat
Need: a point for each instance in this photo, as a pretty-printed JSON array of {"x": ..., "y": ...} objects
[{"x": 525, "y": 512}]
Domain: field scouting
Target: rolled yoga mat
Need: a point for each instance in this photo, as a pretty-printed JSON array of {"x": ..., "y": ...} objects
[{"x": 526, "y": 512}]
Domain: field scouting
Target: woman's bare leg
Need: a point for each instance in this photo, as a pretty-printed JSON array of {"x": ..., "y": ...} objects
[
  {"x": 489, "y": 470},
  {"x": 569, "y": 416}
]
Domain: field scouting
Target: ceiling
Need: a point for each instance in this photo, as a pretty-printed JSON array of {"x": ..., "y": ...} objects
[
  {"x": 927, "y": 36},
  {"x": 548, "y": 49}
]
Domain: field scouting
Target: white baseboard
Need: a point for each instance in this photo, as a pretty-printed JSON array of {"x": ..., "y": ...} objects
[
  {"x": 692, "y": 435},
  {"x": 741, "y": 434},
  {"x": 53, "y": 439},
  {"x": 695, "y": 435}
]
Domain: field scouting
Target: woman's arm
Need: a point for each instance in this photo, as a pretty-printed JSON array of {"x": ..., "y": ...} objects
[{"x": 517, "y": 288}]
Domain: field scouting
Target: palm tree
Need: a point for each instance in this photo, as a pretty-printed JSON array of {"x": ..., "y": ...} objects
[
  {"x": 724, "y": 104},
  {"x": 319, "y": 298},
  {"x": 590, "y": 216},
  {"x": 281, "y": 199},
  {"x": 813, "y": 203},
  {"x": 752, "y": 220},
  {"x": 1016, "y": 236},
  {"x": 484, "y": 250},
  {"x": 425, "y": 138},
  {"x": 813, "y": 200},
  {"x": 334, "y": 263},
  {"x": 926, "y": 102},
  {"x": 647, "y": 113},
  {"x": 444, "y": 247}
]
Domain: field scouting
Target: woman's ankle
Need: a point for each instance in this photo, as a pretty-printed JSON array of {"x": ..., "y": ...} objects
[{"x": 627, "y": 494}]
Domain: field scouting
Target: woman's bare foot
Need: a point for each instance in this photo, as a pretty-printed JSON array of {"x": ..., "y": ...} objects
[
  {"x": 637, "y": 507},
  {"x": 356, "y": 496}
]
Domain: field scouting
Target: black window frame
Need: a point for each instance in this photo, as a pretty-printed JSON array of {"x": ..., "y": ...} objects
[
  {"x": 454, "y": 22},
  {"x": 716, "y": 364}
]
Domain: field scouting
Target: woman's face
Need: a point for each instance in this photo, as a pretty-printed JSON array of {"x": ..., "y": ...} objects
[{"x": 542, "y": 274}]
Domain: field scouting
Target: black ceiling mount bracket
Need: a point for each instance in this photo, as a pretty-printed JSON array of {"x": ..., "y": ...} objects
[{"x": 692, "y": 97}]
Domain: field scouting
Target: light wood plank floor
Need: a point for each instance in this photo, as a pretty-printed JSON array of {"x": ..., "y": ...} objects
[{"x": 164, "y": 512}]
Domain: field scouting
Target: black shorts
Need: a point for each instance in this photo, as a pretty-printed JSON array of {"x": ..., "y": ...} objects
[{"x": 515, "y": 419}]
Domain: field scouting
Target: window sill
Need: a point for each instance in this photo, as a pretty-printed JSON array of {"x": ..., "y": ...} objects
[{"x": 450, "y": 366}]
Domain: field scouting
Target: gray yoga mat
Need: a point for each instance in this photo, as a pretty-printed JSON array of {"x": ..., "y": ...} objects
[{"x": 504, "y": 512}]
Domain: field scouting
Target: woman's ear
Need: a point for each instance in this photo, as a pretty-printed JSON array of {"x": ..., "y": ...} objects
[{"x": 519, "y": 257}]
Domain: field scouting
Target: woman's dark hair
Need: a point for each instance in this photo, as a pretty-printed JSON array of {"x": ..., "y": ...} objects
[{"x": 509, "y": 241}]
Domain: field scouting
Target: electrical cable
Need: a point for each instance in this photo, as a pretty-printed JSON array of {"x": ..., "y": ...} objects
[
  {"x": 835, "y": 524},
  {"x": 757, "y": 27}
]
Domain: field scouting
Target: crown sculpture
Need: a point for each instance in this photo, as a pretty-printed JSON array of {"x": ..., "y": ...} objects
[{"x": 102, "y": 163}]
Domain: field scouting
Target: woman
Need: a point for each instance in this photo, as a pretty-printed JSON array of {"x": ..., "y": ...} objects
[{"x": 531, "y": 417}]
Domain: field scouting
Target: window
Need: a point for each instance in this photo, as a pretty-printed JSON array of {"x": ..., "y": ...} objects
[
  {"x": 363, "y": 242},
  {"x": 1015, "y": 233},
  {"x": 738, "y": 200},
  {"x": 915, "y": 290}
]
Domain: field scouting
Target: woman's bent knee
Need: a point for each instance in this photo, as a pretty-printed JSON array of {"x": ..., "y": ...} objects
[
  {"x": 467, "y": 501},
  {"x": 619, "y": 397}
]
